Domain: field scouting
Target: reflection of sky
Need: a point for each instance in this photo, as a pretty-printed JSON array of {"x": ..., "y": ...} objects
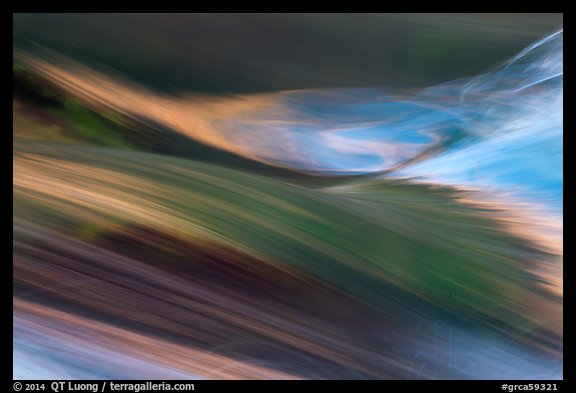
[
  {"x": 527, "y": 163},
  {"x": 501, "y": 131},
  {"x": 343, "y": 136},
  {"x": 42, "y": 357},
  {"x": 516, "y": 120}
]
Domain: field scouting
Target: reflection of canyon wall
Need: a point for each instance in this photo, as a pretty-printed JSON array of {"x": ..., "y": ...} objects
[
  {"x": 309, "y": 283},
  {"x": 311, "y": 233}
]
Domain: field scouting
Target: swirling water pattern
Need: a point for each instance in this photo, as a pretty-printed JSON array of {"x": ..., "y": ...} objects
[{"x": 418, "y": 235}]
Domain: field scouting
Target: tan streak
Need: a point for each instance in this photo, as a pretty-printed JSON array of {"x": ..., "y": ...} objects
[{"x": 192, "y": 115}]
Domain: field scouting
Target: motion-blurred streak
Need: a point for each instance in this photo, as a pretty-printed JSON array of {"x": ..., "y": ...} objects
[
  {"x": 419, "y": 235},
  {"x": 477, "y": 132},
  {"x": 84, "y": 343},
  {"x": 339, "y": 131},
  {"x": 122, "y": 232},
  {"x": 516, "y": 123}
]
